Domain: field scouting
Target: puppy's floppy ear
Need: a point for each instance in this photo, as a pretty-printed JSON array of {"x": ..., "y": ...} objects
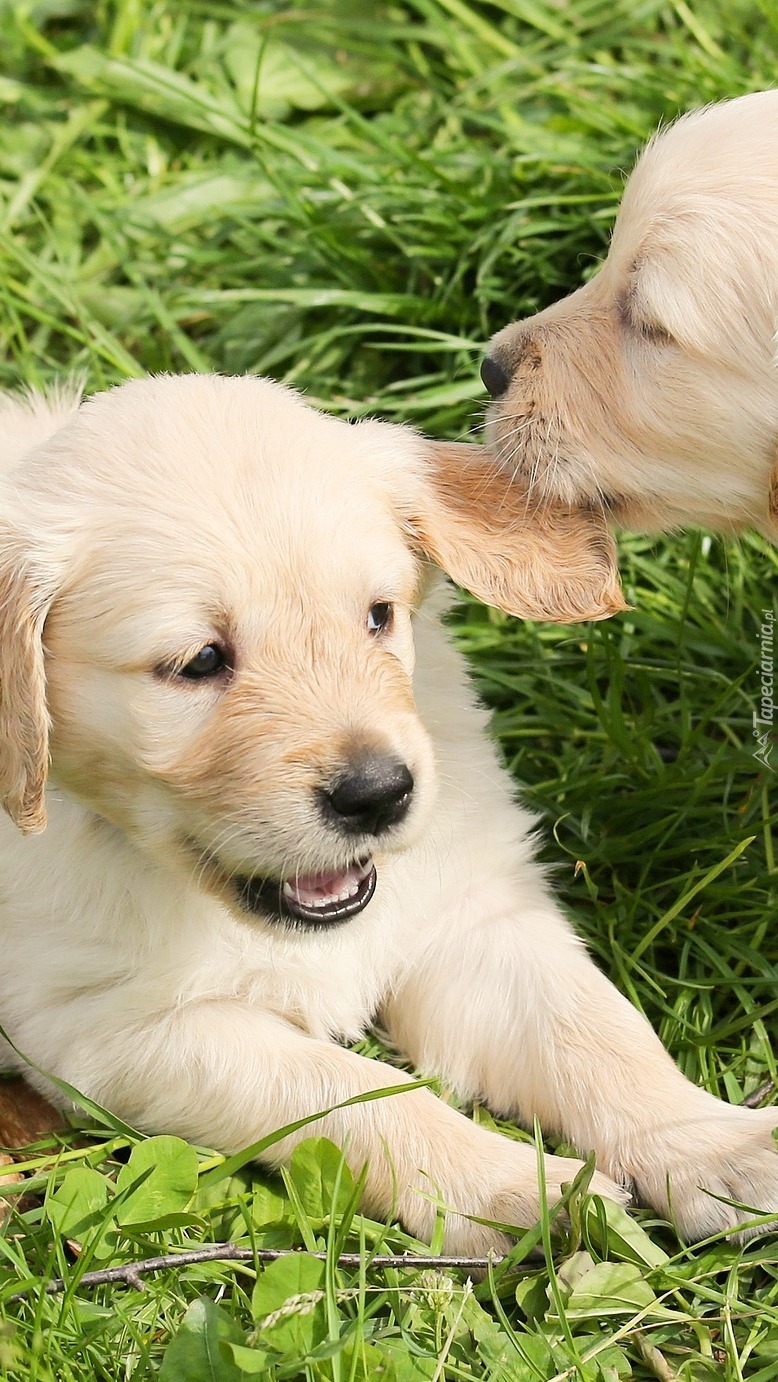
[
  {"x": 24, "y": 719},
  {"x": 544, "y": 561}
]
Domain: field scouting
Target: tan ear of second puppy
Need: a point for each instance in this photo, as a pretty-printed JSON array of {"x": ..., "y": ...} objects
[{"x": 536, "y": 560}]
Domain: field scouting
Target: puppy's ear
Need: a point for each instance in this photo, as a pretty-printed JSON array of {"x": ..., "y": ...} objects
[
  {"x": 543, "y": 561},
  {"x": 24, "y": 720}
]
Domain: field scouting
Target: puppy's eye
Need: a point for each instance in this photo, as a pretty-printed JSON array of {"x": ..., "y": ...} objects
[
  {"x": 635, "y": 317},
  {"x": 210, "y": 660},
  {"x": 651, "y": 331},
  {"x": 379, "y": 617}
]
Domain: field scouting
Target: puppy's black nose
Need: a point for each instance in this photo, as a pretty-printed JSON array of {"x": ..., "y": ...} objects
[
  {"x": 373, "y": 794},
  {"x": 495, "y": 377}
]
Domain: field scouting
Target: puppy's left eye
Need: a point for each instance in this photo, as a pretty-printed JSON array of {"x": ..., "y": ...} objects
[
  {"x": 207, "y": 663},
  {"x": 379, "y": 617}
]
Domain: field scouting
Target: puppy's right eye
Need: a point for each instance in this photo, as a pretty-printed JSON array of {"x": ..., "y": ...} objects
[{"x": 207, "y": 663}]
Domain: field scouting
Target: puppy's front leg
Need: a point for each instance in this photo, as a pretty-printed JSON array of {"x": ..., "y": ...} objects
[
  {"x": 226, "y": 1075},
  {"x": 510, "y": 1009}
]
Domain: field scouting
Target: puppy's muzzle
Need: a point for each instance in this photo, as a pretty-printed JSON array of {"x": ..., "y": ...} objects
[{"x": 373, "y": 794}]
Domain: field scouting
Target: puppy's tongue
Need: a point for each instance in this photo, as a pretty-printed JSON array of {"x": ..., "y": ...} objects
[
  {"x": 311, "y": 900},
  {"x": 322, "y": 889}
]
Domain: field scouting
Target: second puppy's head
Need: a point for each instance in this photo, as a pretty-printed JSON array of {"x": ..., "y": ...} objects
[
  {"x": 208, "y": 592},
  {"x": 652, "y": 389}
]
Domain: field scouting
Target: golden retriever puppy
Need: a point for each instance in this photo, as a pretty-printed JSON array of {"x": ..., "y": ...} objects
[
  {"x": 654, "y": 388},
  {"x": 273, "y": 813}
]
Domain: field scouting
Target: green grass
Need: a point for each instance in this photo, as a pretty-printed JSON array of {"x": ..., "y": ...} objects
[{"x": 352, "y": 198}]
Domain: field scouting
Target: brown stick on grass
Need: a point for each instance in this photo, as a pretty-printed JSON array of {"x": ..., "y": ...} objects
[{"x": 130, "y": 1273}]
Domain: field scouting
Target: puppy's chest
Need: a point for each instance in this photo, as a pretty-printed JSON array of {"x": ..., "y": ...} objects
[
  {"x": 335, "y": 1002},
  {"x": 330, "y": 986},
  {"x": 333, "y": 984}
]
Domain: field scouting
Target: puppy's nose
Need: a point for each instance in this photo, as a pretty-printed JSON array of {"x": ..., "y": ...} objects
[
  {"x": 495, "y": 377},
  {"x": 373, "y": 794}
]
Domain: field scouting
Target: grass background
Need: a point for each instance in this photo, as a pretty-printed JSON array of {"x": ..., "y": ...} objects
[{"x": 352, "y": 199}]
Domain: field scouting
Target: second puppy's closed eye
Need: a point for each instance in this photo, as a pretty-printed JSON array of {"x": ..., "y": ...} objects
[{"x": 637, "y": 315}]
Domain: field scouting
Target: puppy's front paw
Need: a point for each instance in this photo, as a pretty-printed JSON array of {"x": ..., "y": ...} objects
[
  {"x": 522, "y": 1207},
  {"x": 502, "y": 1185},
  {"x": 726, "y": 1152}
]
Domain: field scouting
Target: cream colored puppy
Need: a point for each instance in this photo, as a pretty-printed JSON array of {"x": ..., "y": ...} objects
[
  {"x": 654, "y": 388},
  {"x": 273, "y": 812}
]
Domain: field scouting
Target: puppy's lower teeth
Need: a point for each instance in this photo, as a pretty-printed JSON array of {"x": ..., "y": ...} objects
[{"x": 318, "y": 892}]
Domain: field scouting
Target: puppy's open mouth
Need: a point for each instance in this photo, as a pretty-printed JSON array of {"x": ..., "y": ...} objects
[{"x": 315, "y": 899}]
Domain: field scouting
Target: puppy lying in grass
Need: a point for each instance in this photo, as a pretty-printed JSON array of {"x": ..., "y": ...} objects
[
  {"x": 273, "y": 813},
  {"x": 653, "y": 389}
]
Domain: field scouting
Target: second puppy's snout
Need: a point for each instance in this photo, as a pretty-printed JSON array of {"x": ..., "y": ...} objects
[{"x": 372, "y": 794}]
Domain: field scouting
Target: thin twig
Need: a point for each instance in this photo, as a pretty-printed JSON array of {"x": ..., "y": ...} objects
[{"x": 131, "y": 1272}]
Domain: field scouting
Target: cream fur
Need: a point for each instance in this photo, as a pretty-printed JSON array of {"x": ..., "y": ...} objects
[
  {"x": 173, "y": 511},
  {"x": 655, "y": 386}
]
